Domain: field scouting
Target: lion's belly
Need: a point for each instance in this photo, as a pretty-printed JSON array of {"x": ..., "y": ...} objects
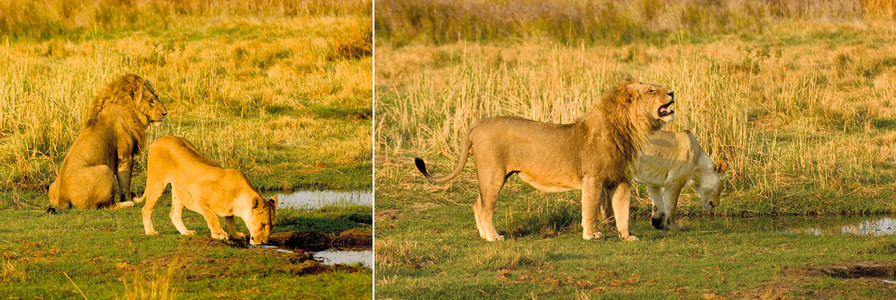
[{"x": 551, "y": 185}]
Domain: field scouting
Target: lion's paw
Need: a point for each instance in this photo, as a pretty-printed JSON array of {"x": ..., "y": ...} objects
[
  {"x": 189, "y": 232},
  {"x": 240, "y": 234},
  {"x": 152, "y": 232},
  {"x": 631, "y": 238},
  {"x": 596, "y": 235},
  {"x": 220, "y": 235},
  {"x": 495, "y": 239}
]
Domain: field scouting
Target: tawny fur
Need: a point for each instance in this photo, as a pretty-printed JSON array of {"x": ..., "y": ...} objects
[
  {"x": 595, "y": 154},
  {"x": 102, "y": 156},
  {"x": 202, "y": 186},
  {"x": 669, "y": 161}
]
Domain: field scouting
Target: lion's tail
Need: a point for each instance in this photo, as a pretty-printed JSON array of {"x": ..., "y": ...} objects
[{"x": 464, "y": 153}]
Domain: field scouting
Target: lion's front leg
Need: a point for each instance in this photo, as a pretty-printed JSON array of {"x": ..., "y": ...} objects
[
  {"x": 622, "y": 197},
  {"x": 231, "y": 228},
  {"x": 671, "y": 194},
  {"x": 658, "y": 217},
  {"x": 123, "y": 174},
  {"x": 592, "y": 191}
]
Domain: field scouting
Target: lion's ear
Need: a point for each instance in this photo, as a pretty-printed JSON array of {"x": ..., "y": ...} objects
[
  {"x": 721, "y": 166},
  {"x": 135, "y": 87},
  {"x": 273, "y": 201},
  {"x": 627, "y": 96}
]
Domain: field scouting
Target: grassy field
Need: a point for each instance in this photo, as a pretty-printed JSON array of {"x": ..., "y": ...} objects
[
  {"x": 797, "y": 96},
  {"x": 103, "y": 254},
  {"x": 280, "y": 90},
  {"x": 277, "y": 89}
]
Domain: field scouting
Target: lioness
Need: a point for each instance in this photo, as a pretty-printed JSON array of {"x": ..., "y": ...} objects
[
  {"x": 103, "y": 153},
  {"x": 671, "y": 160},
  {"x": 202, "y": 186},
  {"x": 594, "y": 154}
]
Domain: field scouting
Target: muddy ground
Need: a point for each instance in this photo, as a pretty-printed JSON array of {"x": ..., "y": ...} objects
[{"x": 847, "y": 279}]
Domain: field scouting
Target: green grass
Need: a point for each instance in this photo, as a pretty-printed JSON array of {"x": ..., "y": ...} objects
[
  {"x": 427, "y": 246},
  {"x": 106, "y": 255}
]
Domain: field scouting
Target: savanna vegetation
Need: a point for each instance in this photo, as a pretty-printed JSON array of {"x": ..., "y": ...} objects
[
  {"x": 280, "y": 90},
  {"x": 797, "y": 96},
  {"x": 277, "y": 89}
]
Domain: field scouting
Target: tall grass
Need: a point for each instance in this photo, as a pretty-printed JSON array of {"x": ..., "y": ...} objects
[
  {"x": 248, "y": 83},
  {"x": 441, "y": 21},
  {"x": 45, "y": 19}
]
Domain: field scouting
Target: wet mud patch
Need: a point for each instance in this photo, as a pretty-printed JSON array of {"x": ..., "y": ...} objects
[
  {"x": 317, "y": 241},
  {"x": 347, "y": 247},
  {"x": 857, "y": 279},
  {"x": 207, "y": 258},
  {"x": 881, "y": 270}
]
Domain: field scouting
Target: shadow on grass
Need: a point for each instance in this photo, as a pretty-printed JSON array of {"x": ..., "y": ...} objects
[{"x": 545, "y": 221}]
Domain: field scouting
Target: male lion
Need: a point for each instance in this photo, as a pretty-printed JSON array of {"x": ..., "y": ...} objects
[
  {"x": 103, "y": 153},
  {"x": 202, "y": 186},
  {"x": 669, "y": 161},
  {"x": 595, "y": 154}
]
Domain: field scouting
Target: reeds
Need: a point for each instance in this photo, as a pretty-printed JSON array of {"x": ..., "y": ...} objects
[{"x": 443, "y": 21}]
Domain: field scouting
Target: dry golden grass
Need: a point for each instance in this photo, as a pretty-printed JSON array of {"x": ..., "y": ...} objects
[{"x": 441, "y": 21}]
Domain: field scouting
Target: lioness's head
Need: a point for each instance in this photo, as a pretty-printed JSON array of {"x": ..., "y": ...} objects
[
  {"x": 709, "y": 184},
  {"x": 262, "y": 220},
  {"x": 647, "y": 100}
]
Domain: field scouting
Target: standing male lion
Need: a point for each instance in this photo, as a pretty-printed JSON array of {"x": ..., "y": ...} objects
[
  {"x": 103, "y": 153},
  {"x": 595, "y": 154}
]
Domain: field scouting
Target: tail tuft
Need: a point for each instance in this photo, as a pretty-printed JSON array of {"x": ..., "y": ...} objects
[
  {"x": 51, "y": 210},
  {"x": 421, "y": 166}
]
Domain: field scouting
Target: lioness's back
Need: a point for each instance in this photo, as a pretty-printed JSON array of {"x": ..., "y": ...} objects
[{"x": 172, "y": 151}]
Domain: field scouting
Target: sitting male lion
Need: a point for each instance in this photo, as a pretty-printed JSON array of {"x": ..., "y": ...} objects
[
  {"x": 670, "y": 160},
  {"x": 595, "y": 154},
  {"x": 103, "y": 153},
  {"x": 202, "y": 186}
]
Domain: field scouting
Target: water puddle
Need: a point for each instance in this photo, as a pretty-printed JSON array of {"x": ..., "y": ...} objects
[
  {"x": 828, "y": 225},
  {"x": 311, "y": 200},
  {"x": 345, "y": 257},
  {"x": 871, "y": 227},
  {"x": 333, "y": 256}
]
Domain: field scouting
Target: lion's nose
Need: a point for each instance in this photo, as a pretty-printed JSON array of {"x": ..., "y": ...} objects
[
  {"x": 671, "y": 94},
  {"x": 164, "y": 113}
]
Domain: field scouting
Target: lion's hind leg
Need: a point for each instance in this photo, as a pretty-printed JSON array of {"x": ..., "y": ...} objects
[
  {"x": 56, "y": 201},
  {"x": 89, "y": 187},
  {"x": 155, "y": 186},
  {"x": 177, "y": 210},
  {"x": 490, "y": 184}
]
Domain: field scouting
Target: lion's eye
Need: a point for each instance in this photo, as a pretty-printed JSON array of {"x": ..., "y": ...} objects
[
  {"x": 151, "y": 101},
  {"x": 651, "y": 91}
]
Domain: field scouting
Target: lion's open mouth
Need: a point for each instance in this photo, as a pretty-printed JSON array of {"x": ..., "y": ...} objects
[{"x": 666, "y": 109}]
